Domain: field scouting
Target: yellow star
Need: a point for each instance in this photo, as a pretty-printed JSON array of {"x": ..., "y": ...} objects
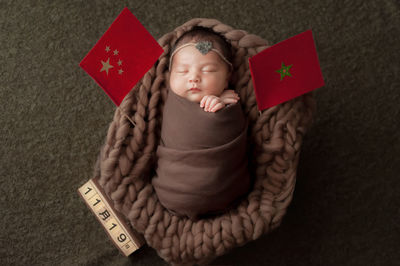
[
  {"x": 106, "y": 66},
  {"x": 107, "y": 49},
  {"x": 119, "y": 62},
  {"x": 120, "y": 71},
  {"x": 115, "y": 52}
]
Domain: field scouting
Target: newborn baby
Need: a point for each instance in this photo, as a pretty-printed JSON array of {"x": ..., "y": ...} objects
[
  {"x": 200, "y": 73},
  {"x": 202, "y": 160}
]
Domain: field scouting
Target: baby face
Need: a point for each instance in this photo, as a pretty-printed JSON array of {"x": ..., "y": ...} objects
[{"x": 194, "y": 75}]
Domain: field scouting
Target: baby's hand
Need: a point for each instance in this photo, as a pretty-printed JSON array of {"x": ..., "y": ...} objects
[
  {"x": 229, "y": 96},
  {"x": 211, "y": 103}
]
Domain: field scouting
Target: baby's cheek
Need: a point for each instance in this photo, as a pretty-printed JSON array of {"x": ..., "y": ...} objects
[
  {"x": 217, "y": 86},
  {"x": 176, "y": 85}
]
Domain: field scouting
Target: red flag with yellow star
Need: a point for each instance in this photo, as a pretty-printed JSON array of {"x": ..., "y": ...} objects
[
  {"x": 122, "y": 56},
  {"x": 286, "y": 70}
]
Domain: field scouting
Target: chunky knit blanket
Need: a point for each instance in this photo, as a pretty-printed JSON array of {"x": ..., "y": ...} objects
[{"x": 127, "y": 160}]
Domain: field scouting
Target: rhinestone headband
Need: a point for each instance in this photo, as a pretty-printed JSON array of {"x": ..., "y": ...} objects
[{"x": 204, "y": 47}]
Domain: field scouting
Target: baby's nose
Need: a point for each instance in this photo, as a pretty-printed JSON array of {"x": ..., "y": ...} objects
[{"x": 194, "y": 77}]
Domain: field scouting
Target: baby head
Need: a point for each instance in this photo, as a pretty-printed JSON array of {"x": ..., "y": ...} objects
[{"x": 200, "y": 64}]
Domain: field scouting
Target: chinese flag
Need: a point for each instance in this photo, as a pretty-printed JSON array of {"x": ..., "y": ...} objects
[
  {"x": 286, "y": 70},
  {"x": 122, "y": 56}
]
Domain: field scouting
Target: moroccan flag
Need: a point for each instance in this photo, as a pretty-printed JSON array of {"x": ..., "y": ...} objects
[
  {"x": 122, "y": 56},
  {"x": 286, "y": 70}
]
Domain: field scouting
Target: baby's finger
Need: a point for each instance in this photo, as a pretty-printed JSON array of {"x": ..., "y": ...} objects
[
  {"x": 233, "y": 94},
  {"x": 230, "y": 100},
  {"x": 203, "y": 100},
  {"x": 217, "y": 107},
  {"x": 208, "y": 102},
  {"x": 213, "y": 103},
  {"x": 230, "y": 94}
]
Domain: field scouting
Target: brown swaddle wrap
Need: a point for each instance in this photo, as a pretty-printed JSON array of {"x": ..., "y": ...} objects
[{"x": 202, "y": 158}]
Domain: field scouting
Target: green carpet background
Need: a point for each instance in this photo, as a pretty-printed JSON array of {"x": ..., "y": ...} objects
[{"x": 54, "y": 118}]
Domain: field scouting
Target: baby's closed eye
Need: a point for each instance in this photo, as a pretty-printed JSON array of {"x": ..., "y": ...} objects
[
  {"x": 209, "y": 69},
  {"x": 181, "y": 71}
]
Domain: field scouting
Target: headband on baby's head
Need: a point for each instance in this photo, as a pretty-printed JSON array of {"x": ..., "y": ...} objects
[{"x": 204, "y": 47}]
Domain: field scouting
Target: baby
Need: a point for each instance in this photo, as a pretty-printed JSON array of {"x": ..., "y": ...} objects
[
  {"x": 200, "y": 69},
  {"x": 201, "y": 159}
]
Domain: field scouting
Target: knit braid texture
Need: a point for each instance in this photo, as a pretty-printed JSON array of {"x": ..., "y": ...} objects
[{"x": 126, "y": 162}]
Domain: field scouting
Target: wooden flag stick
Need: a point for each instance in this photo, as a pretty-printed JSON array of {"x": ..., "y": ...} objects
[{"x": 127, "y": 116}]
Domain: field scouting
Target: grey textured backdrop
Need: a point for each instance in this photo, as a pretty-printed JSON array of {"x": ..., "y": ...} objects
[{"x": 54, "y": 117}]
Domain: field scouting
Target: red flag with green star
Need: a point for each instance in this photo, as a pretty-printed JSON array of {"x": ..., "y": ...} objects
[
  {"x": 286, "y": 70},
  {"x": 122, "y": 56}
]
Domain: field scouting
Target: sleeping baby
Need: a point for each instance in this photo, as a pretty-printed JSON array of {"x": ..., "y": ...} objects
[{"x": 202, "y": 155}]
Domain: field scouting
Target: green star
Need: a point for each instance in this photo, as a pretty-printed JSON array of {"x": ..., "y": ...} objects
[{"x": 284, "y": 71}]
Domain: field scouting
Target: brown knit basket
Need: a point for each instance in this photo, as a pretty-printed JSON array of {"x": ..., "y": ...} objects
[{"x": 126, "y": 161}]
